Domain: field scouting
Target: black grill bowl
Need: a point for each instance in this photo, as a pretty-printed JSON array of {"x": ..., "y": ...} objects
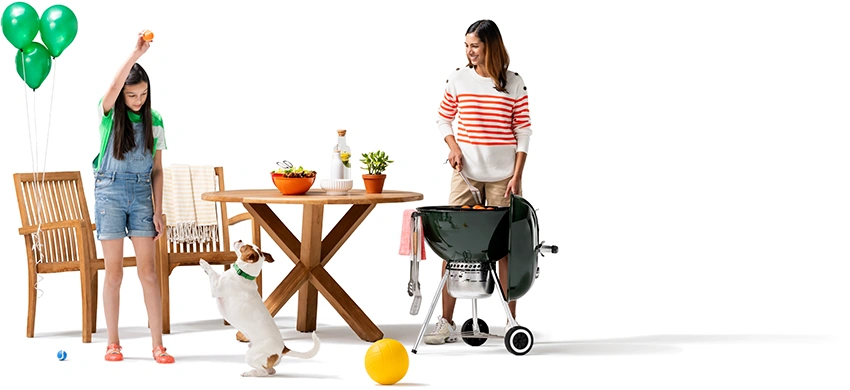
[
  {"x": 469, "y": 235},
  {"x": 466, "y": 235}
]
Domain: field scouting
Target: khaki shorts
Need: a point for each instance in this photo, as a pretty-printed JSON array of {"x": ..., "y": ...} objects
[{"x": 493, "y": 193}]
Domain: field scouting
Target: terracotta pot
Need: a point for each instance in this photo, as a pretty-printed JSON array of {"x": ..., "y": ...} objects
[{"x": 374, "y": 183}]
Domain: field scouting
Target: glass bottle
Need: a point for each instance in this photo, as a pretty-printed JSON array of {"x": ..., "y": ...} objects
[
  {"x": 337, "y": 170},
  {"x": 344, "y": 153}
]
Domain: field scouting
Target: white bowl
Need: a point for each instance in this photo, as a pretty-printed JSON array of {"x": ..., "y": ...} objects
[{"x": 337, "y": 186}]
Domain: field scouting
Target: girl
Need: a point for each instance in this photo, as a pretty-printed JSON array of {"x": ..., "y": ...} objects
[
  {"x": 128, "y": 194},
  {"x": 491, "y": 141}
]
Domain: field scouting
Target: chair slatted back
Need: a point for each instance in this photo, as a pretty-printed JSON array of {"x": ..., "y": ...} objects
[
  {"x": 217, "y": 249},
  {"x": 47, "y": 202}
]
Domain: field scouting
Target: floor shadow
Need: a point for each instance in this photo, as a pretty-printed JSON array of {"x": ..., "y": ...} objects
[
  {"x": 600, "y": 349},
  {"x": 130, "y": 332},
  {"x": 300, "y": 375},
  {"x": 213, "y": 325},
  {"x": 662, "y": 344},
  {"x": 135, "y": 332},
  {"x": 408, "y": 333},
  {"x": 233, "y": 358},
  {"x": 716, "y": 339},
  {"x": 403, "y": 333}
]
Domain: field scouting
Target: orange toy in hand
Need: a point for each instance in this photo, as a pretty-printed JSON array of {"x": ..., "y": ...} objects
[{"x": 148, "y": 35}]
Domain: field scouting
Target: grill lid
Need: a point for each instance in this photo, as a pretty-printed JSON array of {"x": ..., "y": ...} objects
[{"x": 522, "y": 247}]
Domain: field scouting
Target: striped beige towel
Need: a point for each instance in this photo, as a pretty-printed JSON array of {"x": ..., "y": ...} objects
[{"x": 189, "y": 218}]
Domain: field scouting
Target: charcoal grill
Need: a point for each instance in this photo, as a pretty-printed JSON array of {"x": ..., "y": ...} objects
[{"x": 471, "y": 241}]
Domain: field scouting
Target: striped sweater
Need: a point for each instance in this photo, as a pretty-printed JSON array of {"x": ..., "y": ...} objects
[{"x": 492, "y": 126}]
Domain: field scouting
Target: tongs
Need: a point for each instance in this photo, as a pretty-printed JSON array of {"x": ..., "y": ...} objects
[
  {"x": 476, "y": 195},
  {"x": 415, "y": 256}
]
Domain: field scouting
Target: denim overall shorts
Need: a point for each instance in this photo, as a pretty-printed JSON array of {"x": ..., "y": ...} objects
[{"x": 123, "y": 205}]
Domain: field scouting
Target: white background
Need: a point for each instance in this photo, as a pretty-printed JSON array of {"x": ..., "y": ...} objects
[{"x": 689, "y": 159}]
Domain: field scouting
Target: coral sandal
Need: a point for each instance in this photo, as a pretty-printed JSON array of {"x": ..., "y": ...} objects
[
  {"x": 161, "y": 357},
  {"x": 113, "y": 353}
]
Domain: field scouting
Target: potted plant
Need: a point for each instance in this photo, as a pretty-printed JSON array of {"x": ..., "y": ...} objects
[{"x": 376, "y": 163}]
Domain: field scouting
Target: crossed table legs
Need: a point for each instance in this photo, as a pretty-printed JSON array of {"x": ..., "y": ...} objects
[{"x": 309, "y": 275}]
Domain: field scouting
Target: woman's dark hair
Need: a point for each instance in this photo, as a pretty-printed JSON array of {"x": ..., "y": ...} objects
[
  {"x": 496, "y": 59},
  {"x": 123, "y": 127}
]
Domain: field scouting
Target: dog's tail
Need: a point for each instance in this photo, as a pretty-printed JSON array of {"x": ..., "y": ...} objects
[{"x": 304, "y": 355}]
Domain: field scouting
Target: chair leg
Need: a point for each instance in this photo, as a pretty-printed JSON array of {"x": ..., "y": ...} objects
[
  {"x": 259, "y": 281},
  {"x": 164, "y": 288},
  {"x": 226, "y": 267},
  {"x": 255, "y": 238},
  {"x": 85, "y": 287},
  {"x": 32, "y": 297},
  {"x": 163, "y": 271},
  {"x": 93, "y": 298}
]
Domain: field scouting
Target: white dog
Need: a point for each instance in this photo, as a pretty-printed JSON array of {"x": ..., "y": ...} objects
[{"x": 242, "y": 306}]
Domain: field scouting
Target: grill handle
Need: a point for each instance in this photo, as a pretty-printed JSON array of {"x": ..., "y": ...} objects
[{"x": 546, "y": 248}]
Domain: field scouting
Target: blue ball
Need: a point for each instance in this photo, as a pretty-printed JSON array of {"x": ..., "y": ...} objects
[{"x": 61, "y": 355}]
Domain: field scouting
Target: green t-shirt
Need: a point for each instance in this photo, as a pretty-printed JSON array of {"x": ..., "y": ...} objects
[{"x": 107, "y": 121}]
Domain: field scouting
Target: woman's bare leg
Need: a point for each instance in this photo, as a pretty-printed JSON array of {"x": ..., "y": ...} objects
[
  {"x": 113, "y": 254},
  {"x": 146, "y": 268},
  {"x": 503, "y": 280}
]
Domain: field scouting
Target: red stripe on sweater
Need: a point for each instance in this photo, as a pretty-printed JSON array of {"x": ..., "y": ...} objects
[
  {"x": 480, "y": 143},
  {"x": 501, "y": 132},
  {"x": 488, "y": 104},
  {"x": 461, "y": 96}
]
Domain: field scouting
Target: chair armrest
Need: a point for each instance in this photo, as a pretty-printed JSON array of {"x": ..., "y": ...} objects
[
  {"x": 74, "y": 223},
  {"x": 239, "y": 218}
]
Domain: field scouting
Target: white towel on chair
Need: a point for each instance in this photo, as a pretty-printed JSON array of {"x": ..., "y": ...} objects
[{"x": 189, "y": 218}]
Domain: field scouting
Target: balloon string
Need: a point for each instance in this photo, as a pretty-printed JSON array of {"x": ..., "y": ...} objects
[
  {"x": 49, "y": 115},
  {"x": 37, "y": 246},
  {"x": 36, "y": 238}
]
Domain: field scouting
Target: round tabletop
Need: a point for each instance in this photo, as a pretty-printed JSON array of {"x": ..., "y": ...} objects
[{"x": 314, "y": 196}]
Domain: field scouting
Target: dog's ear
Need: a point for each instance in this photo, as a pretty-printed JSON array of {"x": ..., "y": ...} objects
[
  {"x": 269, "y": 258},
  {"x": 249, "y": 255}
]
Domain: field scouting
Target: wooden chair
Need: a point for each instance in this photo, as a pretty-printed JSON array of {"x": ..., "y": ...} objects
[
  {"x": 65, "y": 238},
  {"x": 171, "y": 255}
]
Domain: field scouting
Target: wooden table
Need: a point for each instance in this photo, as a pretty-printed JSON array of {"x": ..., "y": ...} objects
[{"x": 312, "y": 253}]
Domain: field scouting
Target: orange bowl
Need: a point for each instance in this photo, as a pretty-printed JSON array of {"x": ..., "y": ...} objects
[{"x": 292, "y": 185}]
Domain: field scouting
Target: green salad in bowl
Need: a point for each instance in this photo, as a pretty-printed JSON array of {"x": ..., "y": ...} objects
[{"x": 299, "y": 172}]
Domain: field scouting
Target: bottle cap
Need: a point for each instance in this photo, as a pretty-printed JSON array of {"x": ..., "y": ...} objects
[{"x": 341, "y": 132}]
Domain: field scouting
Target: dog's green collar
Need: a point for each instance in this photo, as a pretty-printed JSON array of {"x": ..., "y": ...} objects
[{"x": 242, "y": 273}]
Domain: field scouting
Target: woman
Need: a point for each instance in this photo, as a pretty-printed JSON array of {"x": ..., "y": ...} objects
[{"x": 490, "y": 142}]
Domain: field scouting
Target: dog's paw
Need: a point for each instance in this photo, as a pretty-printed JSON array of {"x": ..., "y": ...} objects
[
  {"x": 204, "y": 263},
  {"x": 256, "y": 372}
]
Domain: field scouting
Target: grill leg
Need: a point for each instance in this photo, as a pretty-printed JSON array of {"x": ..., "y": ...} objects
[
  {"x": 504, "y": 299},
  {"x": 431, "y": 310},
  {"x": 475, "y": 329}
]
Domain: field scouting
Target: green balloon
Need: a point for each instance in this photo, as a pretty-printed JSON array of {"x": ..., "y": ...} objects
[
  {"x": 58, "y": 27},
  {"x": 33, "y": 63},
  {"x": 20, "y": 24}
]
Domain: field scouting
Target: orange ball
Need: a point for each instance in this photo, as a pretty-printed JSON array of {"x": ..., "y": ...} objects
[{"x": 148, "y": 35}]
